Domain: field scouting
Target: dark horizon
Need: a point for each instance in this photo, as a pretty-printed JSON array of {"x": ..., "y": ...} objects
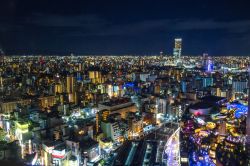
[{"x": 119, "y": 28}]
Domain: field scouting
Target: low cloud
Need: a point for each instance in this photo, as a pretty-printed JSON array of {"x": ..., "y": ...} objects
[
  {"x": 46, "y": 20},
  {"x": 162, "y": 25},
  {"x": 94, "y": 25}
]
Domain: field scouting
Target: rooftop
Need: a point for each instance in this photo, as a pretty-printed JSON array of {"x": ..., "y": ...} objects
[
  {"x": 117, "y": 101},
  {"x": 212, "y": 99},
  {"x": 201, "y": 105},
  {"x": 88, "y": 144}
]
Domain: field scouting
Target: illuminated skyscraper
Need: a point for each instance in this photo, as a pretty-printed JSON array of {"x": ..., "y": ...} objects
[
  {"x": 58, "y": 88},
  {"x": 96, "y": 77},
  {"x": 177, "y": 50},
  {"x": 204, "y": 58},
  {"x": 209, "y": 64},
  {"x": 70, "y": 84}
]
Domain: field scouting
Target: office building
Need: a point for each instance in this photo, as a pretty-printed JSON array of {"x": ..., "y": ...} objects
[{"x": 177, "y": 50}]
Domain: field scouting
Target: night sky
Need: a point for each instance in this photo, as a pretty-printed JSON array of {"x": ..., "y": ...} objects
[{"x": 218, "y": 27}]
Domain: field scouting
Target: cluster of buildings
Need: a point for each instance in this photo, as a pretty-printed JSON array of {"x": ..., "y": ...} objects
[
  {"x": 213, "y": 132},
  {"x": 87, "y": 110}
]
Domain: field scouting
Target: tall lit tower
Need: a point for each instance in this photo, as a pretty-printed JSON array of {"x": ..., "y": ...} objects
[
  {"x": 70, "y": 84},
  {"x": 209, "y": 64},
  {"x": 204, "y": 60},
  {"x": 177, "y": 49}
]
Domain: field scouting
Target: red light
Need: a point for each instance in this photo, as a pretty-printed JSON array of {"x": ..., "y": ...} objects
[{"x": 197, "y": 113}]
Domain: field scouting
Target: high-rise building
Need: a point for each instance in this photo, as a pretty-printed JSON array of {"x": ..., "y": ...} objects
[
  {"x": 96, "y": 77},
  {"x": 207, "y": 63},
  {"x": 204, "y": 59},
  {"x": 70, "y": 88},
  {"x": 58, "y": 88},
  {"x": 161, "y": 105},
  {"x": 177, "y": 49},
  {"x": 70, "y": 84},
  {"x": 207, "y": 81},
  {"x": 239, "y": 86}
]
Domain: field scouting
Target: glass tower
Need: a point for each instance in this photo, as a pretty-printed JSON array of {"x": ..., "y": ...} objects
[{"x": 177, "y": 50}]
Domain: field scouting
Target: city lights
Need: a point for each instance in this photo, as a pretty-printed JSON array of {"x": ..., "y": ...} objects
[{"x": 152, "y": 83}]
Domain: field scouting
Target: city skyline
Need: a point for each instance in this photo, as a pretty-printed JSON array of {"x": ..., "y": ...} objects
[
  {"x": 125, "y": 83},
  {"x": 124, "y": 110},
  {"x": 141, "y": 27}
]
